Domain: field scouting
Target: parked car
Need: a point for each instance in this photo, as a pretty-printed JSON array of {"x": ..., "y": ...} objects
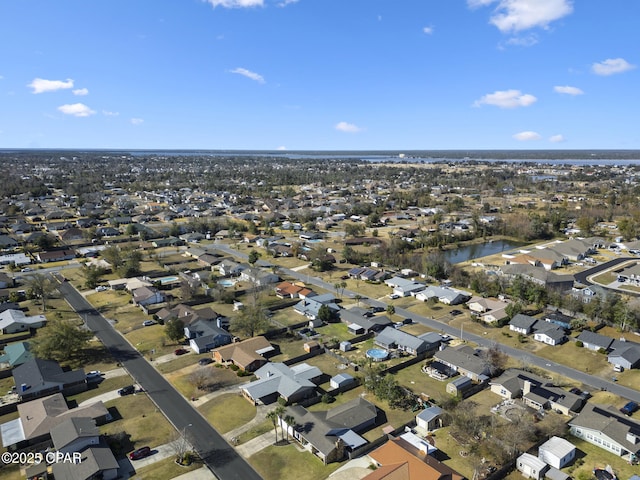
[
  {"x": 94, "y": 375},
  {"x": 148, "y": 323},
  {"x": 629, "y": 408},
  {"x": 27, "y": 269},
  {"x": 101, "y": 288},
  {"x": 128, "y": 390},
  {"x": 394, "y": 296},
  {"x": 180, "y": 351},
  {"x": 456, "y": 312},
  {"x": 140, "y": 453},
  {"x": 205, "y": 361}
]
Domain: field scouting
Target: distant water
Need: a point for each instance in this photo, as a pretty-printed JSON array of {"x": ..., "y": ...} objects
[
  {"x": 479, "y": 250},
  {"x": 554, "y": 157}
]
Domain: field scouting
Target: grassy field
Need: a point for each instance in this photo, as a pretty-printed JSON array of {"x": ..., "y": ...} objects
[{"x": 216, "y": 411}]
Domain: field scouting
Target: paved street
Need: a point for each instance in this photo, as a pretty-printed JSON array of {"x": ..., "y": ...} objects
[{"x": 217, "y": 454}]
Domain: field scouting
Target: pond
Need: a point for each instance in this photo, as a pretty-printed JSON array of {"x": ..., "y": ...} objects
[{"x": 479, "y": 250}]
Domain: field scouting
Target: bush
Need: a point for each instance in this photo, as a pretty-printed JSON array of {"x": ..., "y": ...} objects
[
  {"x": 326, "y": 398},
  {"x": 234, "y": 367},
  {"x": 579, "y": 344}
]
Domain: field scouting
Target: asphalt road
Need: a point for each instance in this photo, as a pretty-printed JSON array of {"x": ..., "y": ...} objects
[{"x": 218, "y": 455}]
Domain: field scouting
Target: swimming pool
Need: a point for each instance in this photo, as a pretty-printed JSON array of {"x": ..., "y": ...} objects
[
  {"x": 225, "y": 282},
  {"x": 167, "y": 280},
  {"x": 377, "y": 354}
]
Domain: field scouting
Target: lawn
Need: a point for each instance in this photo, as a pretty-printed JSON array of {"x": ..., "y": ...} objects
[
  {"x": 98, "y": 388},
  {"x": 216, "y": 411},
  {"x": 140, "y": 419},
  {"x": 219, "y": 378},
  {"x": 255, "y": 431},
  {"x": 166, "y": 469},
  {"x": 287, "y": 462}
]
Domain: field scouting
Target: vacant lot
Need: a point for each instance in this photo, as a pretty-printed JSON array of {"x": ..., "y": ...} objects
[{"x": 216, "y": 411}]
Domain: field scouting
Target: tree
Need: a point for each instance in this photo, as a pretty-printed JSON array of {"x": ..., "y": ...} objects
[
  {"x": 253, "y": 257},
  {"x": 274, "y": 416},
  {"x": 60, "y": 341},
  {"x": 251, "y": 321},
  {"x": 92, "y": 275},
  {"x": 496, "y": 359},
  {"x": 326, "y": 314},
  {"x": 174, "y": 329},
  {"x": 42, "y": 287},
  {"x": 391, "y": 310},
  {"x": 290, "y": 421},
  {"x": 201, "y": 378}
]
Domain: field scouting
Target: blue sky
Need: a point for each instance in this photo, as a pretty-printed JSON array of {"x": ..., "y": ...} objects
[{"x": 320, "y": 74}]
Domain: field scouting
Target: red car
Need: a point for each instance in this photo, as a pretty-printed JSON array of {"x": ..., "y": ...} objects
[
  {"x": 140, "y": 453},
  {"x": 180, "y": 351}
]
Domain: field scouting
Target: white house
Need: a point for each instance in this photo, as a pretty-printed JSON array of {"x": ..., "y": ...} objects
[{"x": 14, "y": 321}]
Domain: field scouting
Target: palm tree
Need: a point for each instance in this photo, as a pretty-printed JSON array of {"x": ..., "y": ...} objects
[
  {"x": 274, "y": 416},
  {"x": 290, "y": 421}
]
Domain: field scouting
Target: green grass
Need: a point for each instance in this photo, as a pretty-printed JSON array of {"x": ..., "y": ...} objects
[
  {"x": 216, "y": 411},
  {"x": 141, "y": 420},
  {"x": 166, "y": 469},
  {"x": 104, "y": 386},
  {"x": 256, "y": 431},
  {"x": 286, "y": 462}
]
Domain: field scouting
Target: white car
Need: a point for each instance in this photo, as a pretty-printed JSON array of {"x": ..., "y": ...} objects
[
  {"x": 148, "y": 323},
  {"x": 93, "y": 374},
  {"x": 393, "y": 296},
  {"x": 101, "y": 288}
]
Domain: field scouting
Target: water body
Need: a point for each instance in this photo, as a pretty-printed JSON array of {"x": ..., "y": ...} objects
[{"x": 479, "y": 250}]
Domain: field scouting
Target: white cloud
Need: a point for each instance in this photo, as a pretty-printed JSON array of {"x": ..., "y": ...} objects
[
  {"x": 427, "y": 30},
  {"x": 284, "y": 3},
  {"x": 249, "y": 74},
  {"x": 76, "y": 109},
  {"x": 566, "y": 89},
  {"x": 611, "y": 66},
  {"x": 525, "y": 41},
  {"x": 518, "y": 15},
  {"x": 281, "y": 147},
  {"x": 347, "y": 127},
  {"x": 556, "y": 138},
  {"x": 81, "y": 91},
  {"x": 236, "y": 3},
  {"x": 136, "y": 121},
  {"x": 107, "y": 113},
  {"x": 506, "y": 99},
  {"x": 40, "y": 85},
  {"x": 527, "y": 136}
]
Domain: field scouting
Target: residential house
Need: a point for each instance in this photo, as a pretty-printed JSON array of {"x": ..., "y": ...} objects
[
  {"x": 531, "y": 466},
  {"x": 229, "y": 268},
  {"x": 14, "y": 321},
  {"x": 522, "y": 323},
  {"x": 404, "y": 287},
  {"x": 37, "y": 378},
  {"x": 399, "y": 459},
  {"x": 548, "y": 333},
  {"x": 607, "y": 428},
  {"x": 624, "y": 353},
  {"x": 536, "y": 392},
  {"x": 331, "y": 434},
  {"x": 464, "y": 360},
  {"x": 75, "y": 434},
  {"x": 392, "y": 339},
  {"x": 360, "y": 321},
  {"x": 557, "y": 452},
  {"x": 96, "y": 462},
  {"x": 310, "y": 306},
  {"x": 445, "y": 295},
  {"x": 145, "y": 296},
  {"x": 594, "y": 341},
  {"x": 71, "y": 234},
  {"x": 248, "y": 355},
  {"x": 205, "y": 335},
  {"x": 56, "y": 256},
  {"x": 291, "y": 290},
  {"x": 558, "y": 318},
  {"x": 489, "y": 310},
  {"x": 5, "y": 280},
  {"x": 258, "y": 277},
  {"x": 548, "y": 258},
  {"x": 278, "y": 380},
  {"x": 19, "y": 259},
  {"x": 539, "y": 276},
  {"x": 38, "y": 417},
  {"x": 16, "y": 354}
]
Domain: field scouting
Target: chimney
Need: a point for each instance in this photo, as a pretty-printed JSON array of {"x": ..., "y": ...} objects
[{"x": 526, "y": 388}]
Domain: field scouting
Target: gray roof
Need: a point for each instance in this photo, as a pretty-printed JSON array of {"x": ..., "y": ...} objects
[
  {"x": 609, "y": 422},
  {"x": 523, "y": 321},
  {"x": 93, "y": 460},
  {"x": 430, "y": 413},
  {"x": 592, "y": 338},
  {"x": 72, "y": 429},
  {"x": 391, "y": 336},
  {"x": 463, "y": 357},
  {"x": 513, "y": 380},
  {"x": 278, "y": 378},
  {"x": 38, "y": 375}
]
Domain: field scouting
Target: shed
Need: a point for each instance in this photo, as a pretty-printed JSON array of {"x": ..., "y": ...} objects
[
  {"x": 557, "y": 452},
  {"x": 345, "y": 346},
  {"x": 341, "y": 380},
  {"x": 311, "y": 346}
]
